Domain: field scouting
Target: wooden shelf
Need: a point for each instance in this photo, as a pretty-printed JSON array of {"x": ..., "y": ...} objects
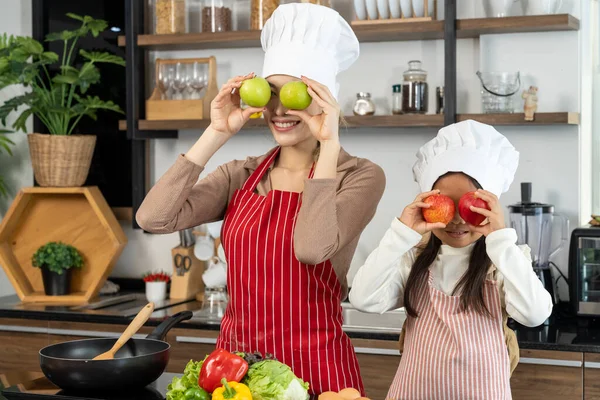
[
  {"x": 78, "y": 216},
  {"x": 385, "y": 32},
  {"x": 385, "y": 121}
]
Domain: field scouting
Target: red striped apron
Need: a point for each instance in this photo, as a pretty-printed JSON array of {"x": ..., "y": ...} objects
[
  {"x": 450, "y": 354},
  {"x": 277, "y": 304}
]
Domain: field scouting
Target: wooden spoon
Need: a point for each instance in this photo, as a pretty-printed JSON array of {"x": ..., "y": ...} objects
[{"x": 133, "y": 327}]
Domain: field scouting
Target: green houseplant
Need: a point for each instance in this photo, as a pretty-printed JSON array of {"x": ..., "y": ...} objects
[
  {"x": 58, "y": 99},
  {"x": 5, "y": 147},
  {"x": 57, "y": 261}
]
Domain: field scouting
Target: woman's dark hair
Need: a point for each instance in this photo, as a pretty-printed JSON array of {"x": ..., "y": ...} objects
[{"x": 470, "y": 286}]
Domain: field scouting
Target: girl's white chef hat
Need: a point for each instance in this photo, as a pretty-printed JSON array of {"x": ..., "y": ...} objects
[
  {"x": 310, "y": 40},
  {"x": 473, "y": 148}
]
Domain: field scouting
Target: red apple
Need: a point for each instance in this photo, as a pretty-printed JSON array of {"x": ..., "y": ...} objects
[
  {"x": 464, "y": 208},
  {"x": 442, "y": 209}
]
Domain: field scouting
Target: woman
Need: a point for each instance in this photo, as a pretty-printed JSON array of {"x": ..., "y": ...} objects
[{"x": 292, "y": 217}]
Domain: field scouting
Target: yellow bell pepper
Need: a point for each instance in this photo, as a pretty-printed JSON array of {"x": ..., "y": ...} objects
[{"x": 232, "y": 391}]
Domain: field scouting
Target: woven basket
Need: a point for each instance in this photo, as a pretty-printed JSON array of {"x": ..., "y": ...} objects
[{"x": 61, "y": 161}]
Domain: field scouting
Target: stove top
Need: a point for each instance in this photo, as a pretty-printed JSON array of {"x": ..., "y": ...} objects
[{"x": 42, "y": 389}]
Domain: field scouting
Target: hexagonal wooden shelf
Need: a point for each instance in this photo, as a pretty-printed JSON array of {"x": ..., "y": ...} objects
[{"x": 79, "y": 216}]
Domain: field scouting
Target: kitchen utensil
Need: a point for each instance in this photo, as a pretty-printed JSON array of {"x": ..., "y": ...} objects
[
  {"x": 534, "y": 224},
  {"x": 584, "y": 271},
  {"x": 360, "y": 9},
  {"x": 131, "y": 330},
  {"x": 415, "y": 89},
  {"x": 395, "y": 11},
  {"x": 182, "y": 264},
  {"x": 542, "y": 7},
  {"x": 139, "y": 362},
  {"x": 498, "y": 89},
  {"x": 204, "y": 248},
  {"x": 383, "y": 8}
]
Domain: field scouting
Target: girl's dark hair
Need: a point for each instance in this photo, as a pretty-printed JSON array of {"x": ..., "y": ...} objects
[{"x": 470, "y": 286}]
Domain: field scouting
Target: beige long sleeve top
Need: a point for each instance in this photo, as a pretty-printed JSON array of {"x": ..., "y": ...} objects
[{"x": 333, "y": 214}]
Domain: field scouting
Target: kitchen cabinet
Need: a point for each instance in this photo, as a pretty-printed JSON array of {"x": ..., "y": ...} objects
[
  {"x": 591, "y": 373},
  {"x": 548, "y": 375}
]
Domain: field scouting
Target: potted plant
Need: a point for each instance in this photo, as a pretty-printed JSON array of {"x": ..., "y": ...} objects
[
  {"x": 58, "y": 99},
  {"x": 57, "y": 260},
  {"x": 156, "y": 286}
]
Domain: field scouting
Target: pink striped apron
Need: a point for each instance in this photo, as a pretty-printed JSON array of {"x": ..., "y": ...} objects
[
  {"x": 277, "y": 304},
  {"x": 450, "y": 354}
]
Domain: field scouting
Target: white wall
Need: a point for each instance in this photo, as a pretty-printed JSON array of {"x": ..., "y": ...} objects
[
  {"x": 15, "y": 19},
  {"x": 549, "y": 155}
]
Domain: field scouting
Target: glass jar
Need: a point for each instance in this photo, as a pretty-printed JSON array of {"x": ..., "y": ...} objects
[
  {"x": 261, "y": 12},
  {"x": 217, "y": 15},
  {"x": 397, "y": 99},
  {"x": 439, "y": 100},
  {"x": 415, "y": 91},
  {"x": 363, "y": 104},
  {"x": 194, "y": 15},
  {"x": 170, "y": 16}
]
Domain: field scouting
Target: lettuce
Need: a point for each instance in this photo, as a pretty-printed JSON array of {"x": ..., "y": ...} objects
[
  {"x": 176, "y": 389},
  {"x": 272, "y": 380}
]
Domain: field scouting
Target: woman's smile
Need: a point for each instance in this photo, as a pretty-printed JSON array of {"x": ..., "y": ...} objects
[{"x": 284, "y": 125}]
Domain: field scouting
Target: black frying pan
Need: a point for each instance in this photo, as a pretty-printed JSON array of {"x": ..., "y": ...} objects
[{"x": 139, "y": 362}]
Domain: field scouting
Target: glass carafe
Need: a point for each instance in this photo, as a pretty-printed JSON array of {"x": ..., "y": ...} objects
[{"x": 214, "y": 305}]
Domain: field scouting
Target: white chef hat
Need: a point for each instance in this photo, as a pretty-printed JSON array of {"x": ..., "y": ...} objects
[
  {"x": 310, "y": 40},
  {"x": 473, "y": 148}
]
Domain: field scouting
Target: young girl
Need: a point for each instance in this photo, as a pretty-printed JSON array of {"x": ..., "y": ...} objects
[{"x": 454, "y": 290}]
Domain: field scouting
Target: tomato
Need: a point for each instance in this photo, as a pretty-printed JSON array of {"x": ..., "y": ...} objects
[{"x": 196, "y": 394}]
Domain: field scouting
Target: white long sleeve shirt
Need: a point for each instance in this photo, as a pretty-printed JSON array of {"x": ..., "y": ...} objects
[{"x": 378, "y": 286}]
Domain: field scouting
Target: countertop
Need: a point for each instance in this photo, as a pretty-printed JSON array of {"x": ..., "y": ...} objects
[{"x": 563, "y": 333}]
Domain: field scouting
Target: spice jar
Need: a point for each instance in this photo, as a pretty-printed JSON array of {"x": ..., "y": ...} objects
[
  {"x": 397, "y": 99},
  {"x": 261, "y": 12},
  {"x": 439, "y": 100},
  {"x": 170, "y": 16},
  {"x": 217, "y": 16},
  {"x": 363, "y": 104},
  {"x": 415, "y": 91}
]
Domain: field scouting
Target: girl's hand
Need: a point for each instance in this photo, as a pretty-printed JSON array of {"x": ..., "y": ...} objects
[
  {"x": 412, "y": 216},
  {"x": 324, "y": 126},
  {"x": 226, "y": 115},
  {"x": 495, "y": 216}
]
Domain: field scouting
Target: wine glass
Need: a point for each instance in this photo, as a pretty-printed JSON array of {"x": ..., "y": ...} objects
[
  {"x": 198, "y": 79},
  {"x": 181, "y": 80},
  {"x": 166, "y": 75}
]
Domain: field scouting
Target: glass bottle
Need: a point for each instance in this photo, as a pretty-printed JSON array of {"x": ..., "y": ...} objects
[
  {"x": 363, "y": 104},
  {"x": 261, "y": 12},
  {"x": 170, "y": 16},
  {"x": 217, "y": 15},
  {"x": 397, "y": 99},
  {"x": 415, "y": 90}
]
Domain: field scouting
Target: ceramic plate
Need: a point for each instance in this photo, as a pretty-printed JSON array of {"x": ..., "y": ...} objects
[
  {"x": 372, "y": 9},
  {"x": 419, "y": 8},
  {"x": 406, "y": 7},
  {"x": 383, "y": 8},
  {"x": 360, "y": 9},
  {"x": 394, "y": 8}
]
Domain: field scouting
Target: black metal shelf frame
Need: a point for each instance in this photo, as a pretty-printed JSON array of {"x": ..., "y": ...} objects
[{"x": 135, "y": 92}]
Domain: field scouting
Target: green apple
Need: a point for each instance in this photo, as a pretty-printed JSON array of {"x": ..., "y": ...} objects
[
  {"x": 255, "y": 92},
  {"x": 294, "y": 95}
]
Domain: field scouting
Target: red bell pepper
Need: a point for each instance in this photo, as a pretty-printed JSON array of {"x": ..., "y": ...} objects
[{"x": 218, "y": 365}]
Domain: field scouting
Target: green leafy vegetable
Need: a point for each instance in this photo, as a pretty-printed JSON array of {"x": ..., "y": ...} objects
[
  {"x": 179, "y": 386},
  {"x": 273, "y": 380}
]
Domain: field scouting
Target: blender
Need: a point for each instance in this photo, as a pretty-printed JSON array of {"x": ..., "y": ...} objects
[{"x": 534, "y": 224}]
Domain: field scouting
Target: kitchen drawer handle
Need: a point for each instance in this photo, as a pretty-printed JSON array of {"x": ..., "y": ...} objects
[
  {"x": 381, "y": 352},
  {"x": 591, "y": 364},
  {"x": 67, "y": 332},
  {"x": 189, "y": 339},
  {"x": 547, "y": 361}
]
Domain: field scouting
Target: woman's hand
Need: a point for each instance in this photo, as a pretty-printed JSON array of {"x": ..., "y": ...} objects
[
  {"x": 412, "y": 216},
  {"x": 226, "y": 115},
  {"x": 494, "y": 216},
  {"x": 324, "y": 126}
]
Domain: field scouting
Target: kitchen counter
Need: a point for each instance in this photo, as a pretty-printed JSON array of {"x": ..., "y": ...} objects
[{"x": 564, "y": 332}]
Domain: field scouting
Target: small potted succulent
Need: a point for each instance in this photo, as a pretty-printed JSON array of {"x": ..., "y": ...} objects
[
  {"x": 156, "y": 286},
  {"x": 57, "y": 260}
]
